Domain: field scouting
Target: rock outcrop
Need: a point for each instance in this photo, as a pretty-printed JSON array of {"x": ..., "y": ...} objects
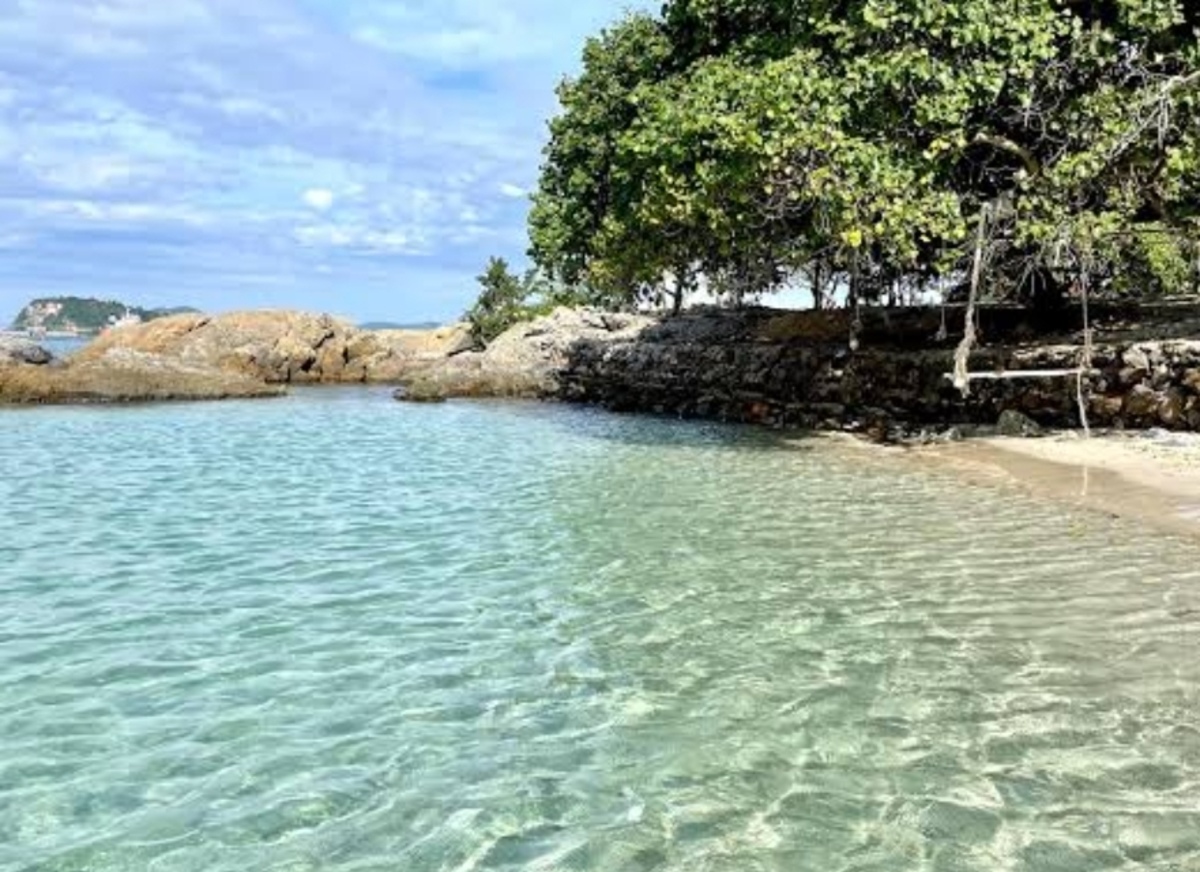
[
  {"x": 276, "y": 347},
  {"x": 285, "y": 347},
  {"x": 758, "y": 365},
  {"x": 525, "y": 361},
  {"x": 240, "y": 354},
  {"x": 403, "y": 354},
  {"x": 17, "y": 349},
  {"x": 123, "y": 375}
]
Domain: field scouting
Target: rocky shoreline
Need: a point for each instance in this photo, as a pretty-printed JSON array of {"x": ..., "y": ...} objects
[
  {"x": 262, "y": 354},
  {"x": 798, "y": 370},
  {"x": 236, "y": 355},
  {"x": 778, "y": 368}
]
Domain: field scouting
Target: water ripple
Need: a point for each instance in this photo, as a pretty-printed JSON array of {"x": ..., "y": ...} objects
[{"x": 339, "y": 633}]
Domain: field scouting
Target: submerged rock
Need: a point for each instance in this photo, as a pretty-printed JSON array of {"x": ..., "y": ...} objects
[{"x": 408, "y": 395}]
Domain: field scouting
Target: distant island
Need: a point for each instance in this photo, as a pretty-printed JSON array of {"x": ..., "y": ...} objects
[
  {"x": 398, "y": 325},
  {"x": 83, "y": 315}
]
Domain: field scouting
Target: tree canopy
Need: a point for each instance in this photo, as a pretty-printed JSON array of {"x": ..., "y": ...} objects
[{"x": 755, "y": 141}]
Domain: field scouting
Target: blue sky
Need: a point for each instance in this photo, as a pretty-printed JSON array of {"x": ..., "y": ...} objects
[{"x": 362, "y": 157}]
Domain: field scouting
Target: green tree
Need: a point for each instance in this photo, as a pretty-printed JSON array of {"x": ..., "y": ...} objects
[
  {"x": 502, "y": 302},
  {"x": 753, "y": 141},
  {"x": 506, "y": 299},
  {"x": 583, "y": 196}
]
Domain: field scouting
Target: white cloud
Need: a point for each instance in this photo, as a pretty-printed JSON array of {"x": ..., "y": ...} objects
[
  {"x": 103, "y": 45},
  {"x": 102, "y": 212},
  {"x": 83, "y": 173},
  {"x": 150, "y": 138},
  {"x": 360, "y": 237},
  {"x": 140, "y": 15},
  {"x": 453, "y": 46},
  {"x": 320, "y": 199},
  {"x": 236, "y": 108},
  {"x": 471, "y": 33},
  {"x": 11, "y": 241}
]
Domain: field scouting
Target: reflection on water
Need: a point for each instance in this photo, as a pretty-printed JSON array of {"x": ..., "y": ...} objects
[{"x": 339, "y": 633}]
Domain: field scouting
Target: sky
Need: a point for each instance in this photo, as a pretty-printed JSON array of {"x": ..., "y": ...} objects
[{"x": 360, "y": 157}]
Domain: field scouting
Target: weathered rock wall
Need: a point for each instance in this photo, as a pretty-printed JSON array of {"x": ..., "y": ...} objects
[{"x": 797, "y": 369}]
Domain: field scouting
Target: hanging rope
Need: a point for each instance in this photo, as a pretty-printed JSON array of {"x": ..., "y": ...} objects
[
  {"x": 1086, "y": 356},
  {"x": 962, "y": 375}
]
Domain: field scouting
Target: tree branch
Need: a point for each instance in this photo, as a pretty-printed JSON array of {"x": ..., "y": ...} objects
[{"x": 1003, "y": 143}]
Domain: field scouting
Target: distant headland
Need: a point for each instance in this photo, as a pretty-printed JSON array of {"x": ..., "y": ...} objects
[{"x": 83, "y": 316}]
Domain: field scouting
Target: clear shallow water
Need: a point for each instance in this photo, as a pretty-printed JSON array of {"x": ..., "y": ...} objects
[
  {"x": 333, "y": 632},
  {"x": 63, "y": 346}
]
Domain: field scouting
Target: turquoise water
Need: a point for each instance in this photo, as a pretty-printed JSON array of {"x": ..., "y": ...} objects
[
  {"x": 63, "y": 346},
  {"x": 334, "y": 632}
]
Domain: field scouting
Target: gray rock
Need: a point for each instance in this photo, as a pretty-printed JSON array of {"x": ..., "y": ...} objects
[
  {"x": 1171, "y": 408},
  {"x": 526, "y": 360},
  {"x": 408, "y": 395},
  {"x": 16, "y": 349},
  {"x": 1142, "y": 402},
  {"x": 1014, "y": 423},
  {"x": 1136, "y": 359}
]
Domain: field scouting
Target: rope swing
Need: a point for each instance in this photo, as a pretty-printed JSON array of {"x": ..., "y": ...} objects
[
  {"x": 1086, "y": 357},
  {"x": 962, "y": 375}
]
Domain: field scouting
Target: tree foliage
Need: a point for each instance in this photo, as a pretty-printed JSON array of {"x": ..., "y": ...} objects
[
  {"x": 506, "y": 298},
  {"x": 754, "y": 141},
  {"x": 500, "y": 304}
]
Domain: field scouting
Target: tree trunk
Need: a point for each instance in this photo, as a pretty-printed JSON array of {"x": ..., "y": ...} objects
[{"x": 683, "y": 284}]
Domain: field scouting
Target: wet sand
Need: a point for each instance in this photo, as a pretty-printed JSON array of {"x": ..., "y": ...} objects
[{"x": 1147, "y": 478}]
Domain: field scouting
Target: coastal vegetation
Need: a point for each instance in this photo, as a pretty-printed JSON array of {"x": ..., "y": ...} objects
[
  {"x": 83, "y": 315},
  {"x": 506, "y": 299},
  {"x": 875, "y": 151}
]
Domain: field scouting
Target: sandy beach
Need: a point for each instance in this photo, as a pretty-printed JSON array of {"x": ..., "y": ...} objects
[{"x": 1150, "y": 477}]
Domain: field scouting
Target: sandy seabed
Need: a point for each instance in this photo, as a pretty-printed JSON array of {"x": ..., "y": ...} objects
[{"x": 1150, "y": 477}]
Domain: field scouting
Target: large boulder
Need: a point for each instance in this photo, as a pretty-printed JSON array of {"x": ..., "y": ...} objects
[
  {"x": 17, "y": 349},
  {"x": 273, "y": 346},
  {"x": 286, "y": 347},
  {"x": 397, "y": 355},
  {"x": 525, "y": 361},
  {"x": 122, "y": 375}
]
